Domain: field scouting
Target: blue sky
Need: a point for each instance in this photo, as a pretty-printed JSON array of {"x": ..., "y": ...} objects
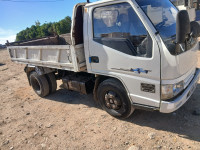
[{"x": 16, "y": 16}]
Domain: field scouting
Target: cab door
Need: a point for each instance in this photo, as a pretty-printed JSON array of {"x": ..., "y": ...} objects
[{"x": 123, "y": 46}]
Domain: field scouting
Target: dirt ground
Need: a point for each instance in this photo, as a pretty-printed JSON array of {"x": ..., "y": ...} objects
[{"x": 69, "y": 120}]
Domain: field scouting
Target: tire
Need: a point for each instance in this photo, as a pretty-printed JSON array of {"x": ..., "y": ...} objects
[
  {"x": 39, "y": 84},
  {"x": 113, "y": 98},
  {"x": 52, "y": 82}
]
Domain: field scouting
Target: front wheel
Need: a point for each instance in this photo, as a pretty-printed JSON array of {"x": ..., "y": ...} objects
[{"x": 113, "y": 98}]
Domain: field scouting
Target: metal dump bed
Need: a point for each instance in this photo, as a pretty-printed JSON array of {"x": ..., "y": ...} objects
[{"x": 66, "y": 57}]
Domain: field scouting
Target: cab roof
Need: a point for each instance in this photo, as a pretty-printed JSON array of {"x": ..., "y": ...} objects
[{"x": 99, "y": 2}]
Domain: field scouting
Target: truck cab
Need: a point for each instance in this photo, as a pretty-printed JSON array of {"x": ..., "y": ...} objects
[{"x": 134, "y": 41}]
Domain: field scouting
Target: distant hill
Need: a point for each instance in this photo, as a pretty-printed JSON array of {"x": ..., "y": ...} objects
[{"x": 47, "y": 29}]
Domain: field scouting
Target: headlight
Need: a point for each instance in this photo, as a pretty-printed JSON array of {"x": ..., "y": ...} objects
[{"x": 169, "y": 91}]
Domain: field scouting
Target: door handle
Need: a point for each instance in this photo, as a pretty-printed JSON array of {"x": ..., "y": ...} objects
[{"x": 94, "y": 59}]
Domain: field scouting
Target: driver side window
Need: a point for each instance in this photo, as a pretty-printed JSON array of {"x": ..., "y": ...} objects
[{"x": 118, "y": 26}]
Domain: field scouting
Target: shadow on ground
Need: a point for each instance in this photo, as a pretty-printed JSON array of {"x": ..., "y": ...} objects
[
  {"x": 71, "y": 97},
  {"x": 2, "y": 64},
  {"x": 182, "y": 122}
]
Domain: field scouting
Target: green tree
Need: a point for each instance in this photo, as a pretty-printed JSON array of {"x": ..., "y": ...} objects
[{"x": 47, "y": 29}]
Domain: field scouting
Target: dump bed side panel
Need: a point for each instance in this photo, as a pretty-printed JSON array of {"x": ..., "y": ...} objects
[{"x": 64, "y": 57}]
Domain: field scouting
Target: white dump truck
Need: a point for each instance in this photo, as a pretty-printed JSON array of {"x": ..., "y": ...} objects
[{"x": 132, "y": 54}]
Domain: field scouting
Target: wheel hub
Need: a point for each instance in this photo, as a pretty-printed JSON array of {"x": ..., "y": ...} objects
[{"x": 112, "y": 100}]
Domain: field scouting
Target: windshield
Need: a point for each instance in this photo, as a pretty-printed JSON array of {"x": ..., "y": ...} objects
[
  {"x": 162, "y": 14},
  {"x": 178, "y": 2}
]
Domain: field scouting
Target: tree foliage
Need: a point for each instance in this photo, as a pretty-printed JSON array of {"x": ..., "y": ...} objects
[{"x": 47, "y": 29}]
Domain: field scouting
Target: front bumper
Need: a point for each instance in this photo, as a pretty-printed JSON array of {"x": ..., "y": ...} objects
[{"x": 168, "y": 107}]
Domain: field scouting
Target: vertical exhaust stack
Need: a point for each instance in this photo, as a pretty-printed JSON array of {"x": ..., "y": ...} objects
[{"x": 88, "y": 1}]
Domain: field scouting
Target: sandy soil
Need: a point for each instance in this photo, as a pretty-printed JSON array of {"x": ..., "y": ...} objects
[{"x": 69, "y": 120}]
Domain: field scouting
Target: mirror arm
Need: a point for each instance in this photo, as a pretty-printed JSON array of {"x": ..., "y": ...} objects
[
  {"x": 177, "y": 48},
  {"x": 181, "y": 47}
]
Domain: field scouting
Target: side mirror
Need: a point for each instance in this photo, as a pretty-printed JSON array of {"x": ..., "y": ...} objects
[
  {"x": 195, "y": 29},
  {"x": 182, "y": 26}
]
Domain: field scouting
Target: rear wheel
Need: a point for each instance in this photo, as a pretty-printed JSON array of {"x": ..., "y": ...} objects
[
  {"x": 113, "y": 98},
  {"x": 52, "y": 82},
  {"x": 39, "y": 84}
]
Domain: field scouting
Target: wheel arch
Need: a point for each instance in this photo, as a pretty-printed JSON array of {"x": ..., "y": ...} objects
[{"x": 100, "y": 78}]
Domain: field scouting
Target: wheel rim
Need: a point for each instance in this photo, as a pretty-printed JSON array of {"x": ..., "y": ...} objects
[
  {"x": 112, "y": 100},
  {"x": 35, "y": 84}
]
